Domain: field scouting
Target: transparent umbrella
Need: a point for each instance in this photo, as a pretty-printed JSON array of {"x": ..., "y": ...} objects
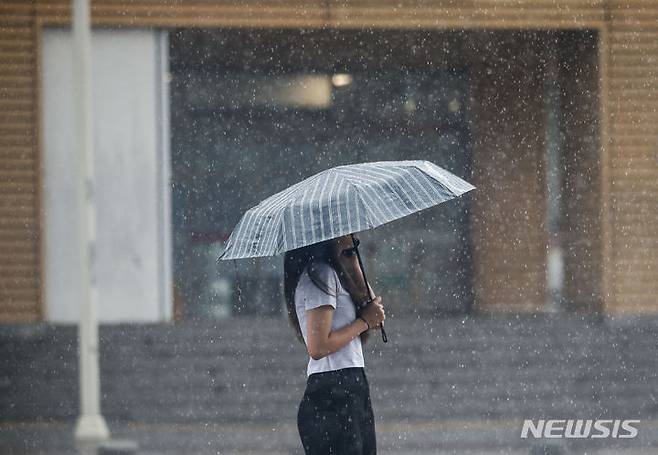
[{"x": 340, "y": 201}]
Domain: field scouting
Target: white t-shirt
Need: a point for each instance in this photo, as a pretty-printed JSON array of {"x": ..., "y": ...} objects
[{"x": 309, "y": 296}]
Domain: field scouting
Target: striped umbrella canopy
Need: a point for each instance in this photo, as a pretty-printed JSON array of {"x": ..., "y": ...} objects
[{"x": 340, "y": 201}]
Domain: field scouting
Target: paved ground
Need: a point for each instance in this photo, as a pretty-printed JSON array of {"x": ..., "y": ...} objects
[{"x": 421, "y": 438}]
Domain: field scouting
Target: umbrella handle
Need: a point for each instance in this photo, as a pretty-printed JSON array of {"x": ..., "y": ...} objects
[
  {"x": 384, "y": 337},
  {"x": 363, "y": 272}
]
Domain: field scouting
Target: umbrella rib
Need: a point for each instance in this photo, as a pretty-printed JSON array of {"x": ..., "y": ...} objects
[
  {"x": 453, "y": 183},
  {"x": 366, "y": 211},
  {"x": 341, "y": 183},
  {"x": 382, "y": 170},
  {"x": 377, "y": 180},
  {"x": 283, "y": 202},
  {"x": 331, "y": 192},
  {"x": 311, "y": 219},
  {"x": 283, "y": 197},
  {"x": 420, "y": 185}
]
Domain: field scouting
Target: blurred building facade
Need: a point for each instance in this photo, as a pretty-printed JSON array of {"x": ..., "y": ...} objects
[{"x": 549, "y": 108}]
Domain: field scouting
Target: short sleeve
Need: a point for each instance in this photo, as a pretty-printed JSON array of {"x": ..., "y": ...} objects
[{"x": 312, "y": 295}]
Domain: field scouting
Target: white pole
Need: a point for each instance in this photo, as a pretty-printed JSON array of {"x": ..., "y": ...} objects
[{"x": 91, "y": 426}]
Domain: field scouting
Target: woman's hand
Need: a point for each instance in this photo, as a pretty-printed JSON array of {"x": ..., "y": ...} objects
[
  {"x": 374, "y": 313},
  {"x": 323, "y": 341}
]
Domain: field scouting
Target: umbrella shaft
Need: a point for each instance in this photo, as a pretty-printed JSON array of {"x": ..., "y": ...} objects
[{"x": 363, "y": 272}]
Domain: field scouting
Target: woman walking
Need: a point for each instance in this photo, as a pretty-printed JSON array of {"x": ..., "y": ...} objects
[{"x": 335, "y": 414}]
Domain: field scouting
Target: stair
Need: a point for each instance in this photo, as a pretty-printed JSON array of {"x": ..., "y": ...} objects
[{"x": 253, "y": 371}]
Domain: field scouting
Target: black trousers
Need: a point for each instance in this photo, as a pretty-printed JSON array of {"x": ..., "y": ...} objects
[{"x": 335, "y": 415}]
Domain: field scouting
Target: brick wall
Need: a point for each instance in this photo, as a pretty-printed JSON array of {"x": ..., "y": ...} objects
[
  {"x": 631, "y": 187},
  {"x": 19, "y": 166},
  {"x": 509, "y": 203},
  {"x": 580, "y": 230}
]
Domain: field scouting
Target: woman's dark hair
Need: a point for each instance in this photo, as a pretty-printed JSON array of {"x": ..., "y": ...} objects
[{"x": 294, "y": 263}]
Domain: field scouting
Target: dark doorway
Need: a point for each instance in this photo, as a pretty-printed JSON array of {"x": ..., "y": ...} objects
[{"x": 254, "y": 111}]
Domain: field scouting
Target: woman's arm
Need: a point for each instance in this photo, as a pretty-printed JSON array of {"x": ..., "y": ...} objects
[{"x": 322, "y": 341}]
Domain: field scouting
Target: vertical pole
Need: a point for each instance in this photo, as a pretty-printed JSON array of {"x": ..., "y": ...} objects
[
  {"x": 164, "y": 176},
  {"x": 90, "y": 426},
  {"x": 553, "y": 163}
]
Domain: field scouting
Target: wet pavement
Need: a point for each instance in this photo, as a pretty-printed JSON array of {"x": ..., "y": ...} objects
[{"x": 279, "y": 438}]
